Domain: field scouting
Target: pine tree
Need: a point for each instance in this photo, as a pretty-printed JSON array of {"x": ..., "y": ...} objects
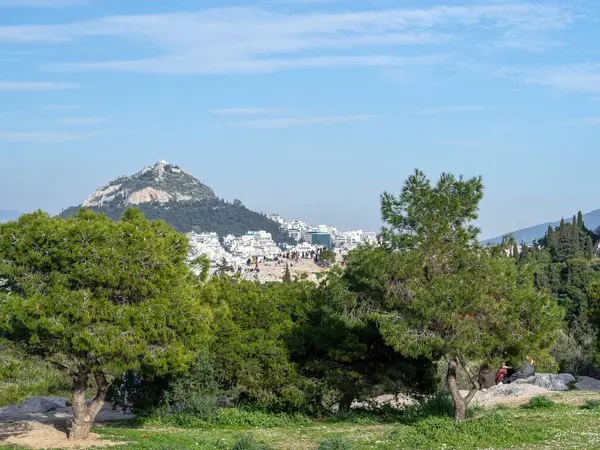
[
  {"x": 98, "y": 298},
  {"x": 287, "y": 276},
  {"x": 515, "y": 251},
  {"x": 524, "y": 253},
  {"x": 447, "y": 283}
]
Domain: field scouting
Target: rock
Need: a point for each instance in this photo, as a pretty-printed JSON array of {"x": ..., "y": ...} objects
[
  {"x": 588, "y": 384},
  {"x": 53, "y": 409},
  {"x": 36, "y": 405},
  {"x": 550, "y": 381},
  {"x": 506, "y": 393}
]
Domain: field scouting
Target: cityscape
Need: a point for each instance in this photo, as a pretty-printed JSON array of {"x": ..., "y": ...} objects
[{"x": 259, "y": 246}]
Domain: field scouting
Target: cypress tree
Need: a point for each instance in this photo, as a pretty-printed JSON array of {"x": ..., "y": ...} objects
[{"x": 580, "y": 223}]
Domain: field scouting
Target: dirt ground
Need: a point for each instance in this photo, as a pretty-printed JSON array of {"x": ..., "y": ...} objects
[{"x": 36, "y": 435}]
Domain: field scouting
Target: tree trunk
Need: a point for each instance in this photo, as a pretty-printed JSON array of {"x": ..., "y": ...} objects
[
  {"x": 460, "y": 403},
  {"x": 346, "y": 402},
  {"x": 84, "y": 415}
]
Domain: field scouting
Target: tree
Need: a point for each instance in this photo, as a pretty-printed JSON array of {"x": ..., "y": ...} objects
[
  {"x": 580, "y": 223},
  {"x": 97, "y": 298},
  {"x": 223, "y": 267},
  {"x": 327, "y": 256},
  {"x": 447, "y": 295},
  {"x": 287, "y": 276},
  {"x": 350, "y": 358}
]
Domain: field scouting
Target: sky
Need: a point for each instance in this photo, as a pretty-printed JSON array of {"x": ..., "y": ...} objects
[{"x": 307, "y": 108}]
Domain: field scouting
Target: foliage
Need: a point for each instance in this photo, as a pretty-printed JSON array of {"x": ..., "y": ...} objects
[
  {"x": 234, "y": 418},
  {"x": 23, "y": 376},
  {"x": 592, "y": 404},
  {"x": 540, "y": 402},
  {"x": 569, "y": 240},
  {"x": 287, "y": 276},
  {"x": 443, "y": 292},
  {"x": 350, "y": 360},
  {"x": 575, "y": 347},
  {"x": 327, "y": 256},
  {"x": 251, "y": 330},
  {"x": 211, "y": 214},
  {"x": 97, "y": 297},
  {"x": 248, "y": 442},
  {"x": 335, "y": 443}
]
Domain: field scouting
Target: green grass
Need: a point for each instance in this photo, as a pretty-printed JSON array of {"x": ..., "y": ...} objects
[
  {"x": 540, "y": 402},
  {"x": 564, "y": 426},
  {"x": 22, "y": 376}
]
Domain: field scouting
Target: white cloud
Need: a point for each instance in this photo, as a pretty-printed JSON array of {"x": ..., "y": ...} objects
[
  {"x": 27, "y": 86},
  {"x": 582, "y": 78},
  {"x": 42, "y": 137},
  {"x": 286, "y": 122},
  {"x": 230, "y": 40},
  {"x": 246, "y": 111},
  {"x": 451, "y": 109},
  {"x": 82, "y": 120}
]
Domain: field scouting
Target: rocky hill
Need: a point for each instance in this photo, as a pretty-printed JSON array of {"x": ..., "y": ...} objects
[{"x": 165, "y": 191}]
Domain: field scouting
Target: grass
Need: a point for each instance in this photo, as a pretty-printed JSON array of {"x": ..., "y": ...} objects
[
  {"x": 540, "y": 402},
  {"x": 22, "y": 376},
  {"x": 564, "y": 426}
]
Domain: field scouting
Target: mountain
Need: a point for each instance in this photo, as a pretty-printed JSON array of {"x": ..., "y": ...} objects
[
  {"x": 591, "y": 220},
  {"x": 8, "y": 215},
  {"x": 165, "y": 191}
]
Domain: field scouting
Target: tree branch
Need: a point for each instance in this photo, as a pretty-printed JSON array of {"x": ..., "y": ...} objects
[{"x": 64, "y": 369}]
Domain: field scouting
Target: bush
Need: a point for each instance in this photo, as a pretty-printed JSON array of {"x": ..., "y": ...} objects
[
  {"x": 574, "y": 348},
  {"x": 247, "y": 442},
  {"x": 197, "y": 393},
  {"x": 540, "y": 402},
  {"x": 226, "y": 418},
  {"x": 334, "y": 443},
  {"x": 591, "y": 404}
]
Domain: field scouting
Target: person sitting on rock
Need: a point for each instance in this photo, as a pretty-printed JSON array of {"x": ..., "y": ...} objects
[
  {"x": 527, "y": 371},
  {"x": 501, "y": 373},
  {"x": 486, "y": 377}
]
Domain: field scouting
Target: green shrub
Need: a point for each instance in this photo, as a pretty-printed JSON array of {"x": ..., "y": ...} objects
[
  {"x": 226, "y": 418},
  {"x": 540, "y": 402},
  {"x": 334, "y": 443},
  {"x": 591, "y": 404},
  {"x": 247, "y": 442}
]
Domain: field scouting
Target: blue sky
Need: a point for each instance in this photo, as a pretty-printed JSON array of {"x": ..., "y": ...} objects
[{"x": 308, "y": 108}]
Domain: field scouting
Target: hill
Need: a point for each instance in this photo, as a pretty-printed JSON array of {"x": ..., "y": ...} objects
[
  {"x": 8, "y": 215},
  {"x": 591, "y": 220},
  {"x": 167, "y": 192}
]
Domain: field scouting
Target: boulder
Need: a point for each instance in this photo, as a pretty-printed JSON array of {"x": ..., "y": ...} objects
[
  {"x": 38, "y": 405},
  {"x": 588, "y": 384},
  {"x": 550, "y": 381}
]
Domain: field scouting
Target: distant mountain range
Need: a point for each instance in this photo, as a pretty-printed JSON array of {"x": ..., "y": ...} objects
[
  {"x": 7, "y": 215},
  {"x": 165, "y": 191},
  {"x": 591, "y": 220}
]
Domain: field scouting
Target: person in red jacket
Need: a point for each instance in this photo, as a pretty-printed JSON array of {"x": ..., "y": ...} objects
[{"x": 501, "y": 374}]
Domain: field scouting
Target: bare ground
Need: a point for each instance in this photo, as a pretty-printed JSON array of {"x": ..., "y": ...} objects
[{"x": 38, "y": 435}]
